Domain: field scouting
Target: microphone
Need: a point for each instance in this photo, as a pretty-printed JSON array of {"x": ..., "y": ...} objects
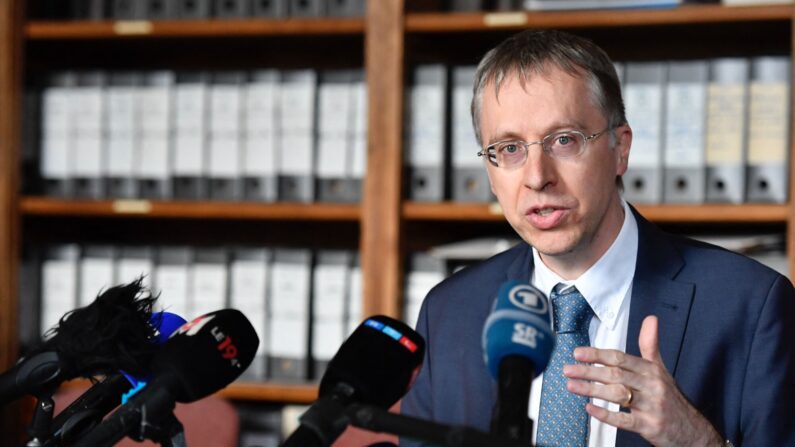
[
  {"x": 110, "y": 334},
  {"x": 517, "y": 344},
  {"x": 201, "y": 357},
  {"x": 375, "y": 366},
  {"x": 89, "y": 409}
]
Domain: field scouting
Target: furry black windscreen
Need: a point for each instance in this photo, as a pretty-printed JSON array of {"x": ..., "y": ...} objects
[{"x": 115, "y": 332}]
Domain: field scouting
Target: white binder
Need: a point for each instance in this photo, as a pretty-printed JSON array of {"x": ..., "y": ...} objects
[
  {"x": 191, "y": 113},
  {"x": 88, "y": 107},
  {"x": 685, "y": 132},
  {"x": 172, "y": 280},
  {"x": 123, "y": 134},
  {"x": 58, "y": 283},
  {"x": 260, "y": 137},
  {"x": 97, "y": 272},
  {"x": 425, "y": 135},
  {"x": 153, "y": 170},
  {"x": 470, "y": 183},
  {"x": 335, "y": 119},
  {"x": 423, "y": 273},
  {"x": 289, "y": 315},
  {"x": 209, "y": 276},
  {"x": 225, "y": 165},
  {"x": 249, "y": 277},
  {"x": 297, "y": 105},
  {"x": 57, "y": 134},
  {"x": 330, "y": 276},
  {"x": 727, "y": 124},
  {"x": 644, "y": 96},
  {"x": 769, "y": 129}
]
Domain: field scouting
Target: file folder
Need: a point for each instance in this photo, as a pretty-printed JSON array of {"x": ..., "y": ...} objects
[
  {"x": 769, "y": 129},
  {"x": 727, "y": 124},
  {"x": 425, "y": 139},
  {"x": 335, "y": 119},
  {"x": 297, "y": 104},
  {"x": 685, "y": 124},
  {"x": 193, "y": 9},
  {"x": 226, "y": 149},
  {"x": 96, "y": 274},
  {"x": 209, "y": 280},
  {"x": 58, "y": 283},
  {"x": 249, "y": 280},
  {"x": 644, "y": 90},
  {"x": 123, "y": 134},
  {"x": 331, "y": 276},
  {"x": 191, "y": 110},
  {"x": 469, "y": 178},
  {"x": 154, "y": 170},
  {"x": 260, "y": 160},
  {"x": 57, "y": 134},
  {"x": 88, "y": 106},
  {"x": 289, "y": 315}
]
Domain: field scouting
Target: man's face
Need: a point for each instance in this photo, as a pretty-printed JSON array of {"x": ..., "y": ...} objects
[{"x": 568, "y": 209}]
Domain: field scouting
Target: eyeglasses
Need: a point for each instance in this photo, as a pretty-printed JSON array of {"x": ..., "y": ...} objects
[{"x": 565, "y": 144}]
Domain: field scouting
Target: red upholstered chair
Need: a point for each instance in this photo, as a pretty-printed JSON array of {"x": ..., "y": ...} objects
[{"x": 210, "y": 422}]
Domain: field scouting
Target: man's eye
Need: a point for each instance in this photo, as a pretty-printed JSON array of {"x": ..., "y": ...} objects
[
  {"x": 563, "y": 139},
  {"x": 510, "y": 148}
]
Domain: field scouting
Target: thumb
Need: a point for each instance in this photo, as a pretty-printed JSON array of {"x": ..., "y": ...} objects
[{"x": 648, "y": 340}]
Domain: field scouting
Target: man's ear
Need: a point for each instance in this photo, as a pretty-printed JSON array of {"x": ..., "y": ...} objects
[{"x": 623, "y": 136}]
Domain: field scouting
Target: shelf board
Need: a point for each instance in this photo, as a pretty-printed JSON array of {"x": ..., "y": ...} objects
[
  {"x": 254, "y": 391},
  {"x": 708, "y": 213},
  {"x": 87, "y": 30},
  {"x": 683, "y": 15},
  {"x": 44, "y": 206},
  {"x": 271, "y": 392}
]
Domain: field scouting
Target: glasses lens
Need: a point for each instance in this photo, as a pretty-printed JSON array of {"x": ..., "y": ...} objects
[
  {"x": 565, "y": 144},
  {"x": 510, "y": 155}
]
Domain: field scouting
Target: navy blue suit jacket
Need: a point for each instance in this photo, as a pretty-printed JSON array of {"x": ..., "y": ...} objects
[{"x": 726, "y": 328}]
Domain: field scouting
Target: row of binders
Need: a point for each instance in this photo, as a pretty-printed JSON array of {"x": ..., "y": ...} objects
[
  {"x": 266, "y": 135},
  {"x": 714, "y": 131},
  {"x": 704, "y": 131},
  {"x": 302, "y": 303},
  {"x": 194, "y": 9}
]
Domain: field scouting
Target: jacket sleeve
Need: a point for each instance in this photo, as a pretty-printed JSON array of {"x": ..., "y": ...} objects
[{"x": 768, "y": 397}]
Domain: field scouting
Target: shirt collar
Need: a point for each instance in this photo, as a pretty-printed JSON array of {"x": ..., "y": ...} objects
[{"x": 605, "y": 284}]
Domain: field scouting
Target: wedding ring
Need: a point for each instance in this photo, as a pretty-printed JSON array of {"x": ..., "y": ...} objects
[{"x": 630, "y": 397}]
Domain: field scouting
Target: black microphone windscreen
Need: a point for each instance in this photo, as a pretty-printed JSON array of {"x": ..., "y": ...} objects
[
  {"x": 207, "y": 354},
  {"x": 379, "y": 360}
]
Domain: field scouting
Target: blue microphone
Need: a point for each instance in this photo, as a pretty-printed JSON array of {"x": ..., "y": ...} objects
[{"x": 517, "y": 344}]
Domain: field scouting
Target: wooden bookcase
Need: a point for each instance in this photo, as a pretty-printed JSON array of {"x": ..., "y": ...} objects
[{"x": 387, "y": 42}]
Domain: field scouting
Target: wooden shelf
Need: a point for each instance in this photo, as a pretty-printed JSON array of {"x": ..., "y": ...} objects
[
  {"x": 271, "y": 392},
  {"x": 81, "y": 30},
  {"x": 684, "y": 15},
  {"x": 43, "y": 206},
  {"x": 708, "y": 213},
  {"x": 258, "y": 391}
]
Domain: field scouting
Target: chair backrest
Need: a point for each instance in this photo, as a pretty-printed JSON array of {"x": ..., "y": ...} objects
[{"x": 210, "y": 422}]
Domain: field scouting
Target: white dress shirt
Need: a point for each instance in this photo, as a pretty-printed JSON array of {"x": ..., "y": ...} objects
[{"x": 607, "y": 287}]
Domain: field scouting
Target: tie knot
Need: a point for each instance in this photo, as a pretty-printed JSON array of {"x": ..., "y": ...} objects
[{"x": 572, "y": 313}]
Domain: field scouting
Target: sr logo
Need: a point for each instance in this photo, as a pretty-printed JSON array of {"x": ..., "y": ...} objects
[
  {"x": 527, "y": 297},
  {"x": 526, "y": 335}
]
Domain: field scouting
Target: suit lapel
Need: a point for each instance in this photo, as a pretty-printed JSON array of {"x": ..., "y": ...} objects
[{"x": 656, "y": 292}]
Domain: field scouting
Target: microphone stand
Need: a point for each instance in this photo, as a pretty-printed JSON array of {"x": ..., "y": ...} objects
[
  {"x": 379, "y": 420},
  {"x": 39, "y": 429}
]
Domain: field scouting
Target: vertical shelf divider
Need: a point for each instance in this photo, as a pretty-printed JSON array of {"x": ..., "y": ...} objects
[
  {"x": 381, "y": 225},
  {"x": 11, "y": 19}
]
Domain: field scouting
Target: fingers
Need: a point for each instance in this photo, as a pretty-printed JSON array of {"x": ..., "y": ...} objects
[
  {"x": 616, "y": 393},
  {"x": 612, "y": 357},
  {"x": 648, "y": 340}
]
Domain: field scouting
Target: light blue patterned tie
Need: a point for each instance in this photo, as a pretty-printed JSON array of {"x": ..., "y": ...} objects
[{"x": 562, "y": 420}]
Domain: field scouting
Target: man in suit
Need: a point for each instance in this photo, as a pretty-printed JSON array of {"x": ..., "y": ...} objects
[{"x": 686, "y": 344}]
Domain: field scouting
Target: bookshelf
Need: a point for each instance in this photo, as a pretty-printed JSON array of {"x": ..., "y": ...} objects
[{"x": 387, "y": 41}]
